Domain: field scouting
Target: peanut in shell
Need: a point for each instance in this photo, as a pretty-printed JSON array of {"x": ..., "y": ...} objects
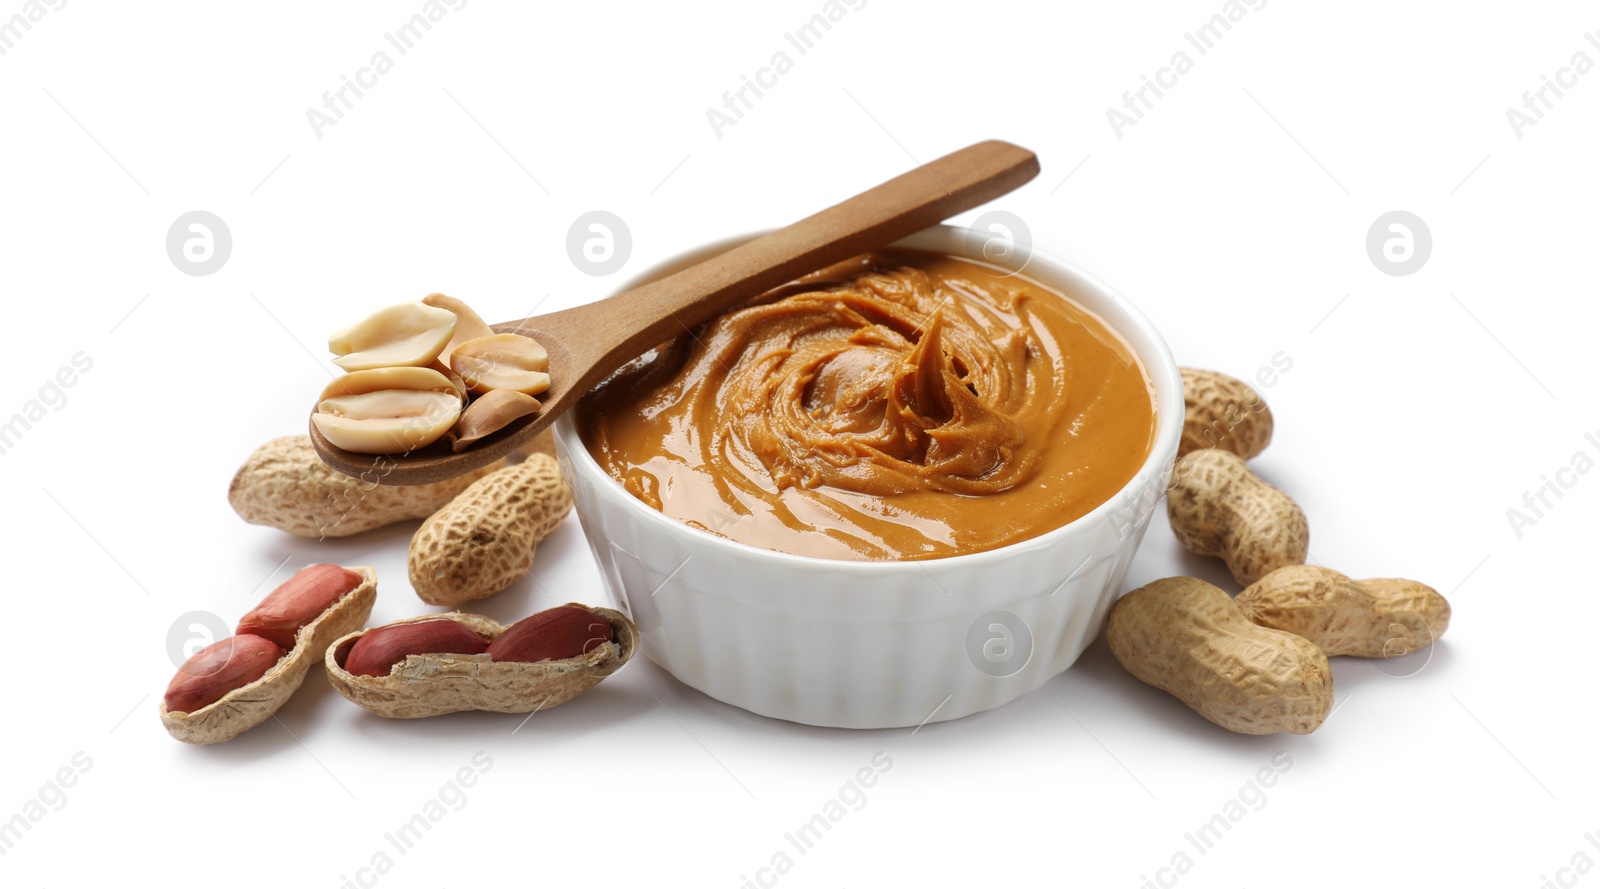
[
  {"x": 436, "y": 684},
  {"x": 250, "y": 705}
]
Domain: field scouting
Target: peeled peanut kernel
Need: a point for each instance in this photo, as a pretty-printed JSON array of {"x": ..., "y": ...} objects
[
  {"x": 488, "y": 414},
  {"x": 218, "y": 669},
  {"x": 388, "y": 410},
  {"x": 380, "y": 378},
  {"x": 407, "y": 334},
  {"x": 1384, "y": 617},
  {"x": 394, "y": 422},
  {"x": 1218, "y": 507},
  {"x": 552, "y": 635},
  {"x": 379, "y": 650},
  {"x": 402, "y": 403},
  {"x": 468, "y": 323},
  {"x": 298, "y": 601},
  {"x": 503, "y": 361}
]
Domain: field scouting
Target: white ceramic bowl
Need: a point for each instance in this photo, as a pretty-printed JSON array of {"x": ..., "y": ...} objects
[{"x": 878, "y": 644}]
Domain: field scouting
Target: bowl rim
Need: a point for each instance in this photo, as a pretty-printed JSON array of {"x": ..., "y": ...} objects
[{"x": 1163, "y": 449}]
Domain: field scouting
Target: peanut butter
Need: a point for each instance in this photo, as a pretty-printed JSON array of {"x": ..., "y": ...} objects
[{"x": 904, "y": 405}]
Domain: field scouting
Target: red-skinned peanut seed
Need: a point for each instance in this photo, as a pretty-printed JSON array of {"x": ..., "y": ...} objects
[
  {"x": 299, "y": 601},
  {"x": 218, "y": 669},
  {"x": 378, "y": 650},
  {"x": 556, "y": 634}
]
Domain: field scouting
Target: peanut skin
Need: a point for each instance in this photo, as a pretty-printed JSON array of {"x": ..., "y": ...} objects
[
  {"x": 297, "y": 602},
  {"x": 1218, "y": 507},
  {"x": 218, "y": 669},
  {"x": 1188, "y": 638},
  {"x": 1222, "y": 412},
  {"x": 1382, "y": 617}
]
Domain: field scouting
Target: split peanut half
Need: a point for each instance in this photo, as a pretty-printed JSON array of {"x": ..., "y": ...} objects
[
  {"x": 404, "y": 335},
  {"x": 389, "y": 410},
  {"x": 503, "y": 361},
  {"x": 490, "y": 413},
  {"x": 469, "y": 324}
]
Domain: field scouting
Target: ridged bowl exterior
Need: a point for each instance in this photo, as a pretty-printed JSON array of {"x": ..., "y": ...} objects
[{"x": 876, "y": 644}]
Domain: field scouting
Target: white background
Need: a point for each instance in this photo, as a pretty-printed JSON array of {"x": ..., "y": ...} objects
[{"x": 1418, "y": 410}]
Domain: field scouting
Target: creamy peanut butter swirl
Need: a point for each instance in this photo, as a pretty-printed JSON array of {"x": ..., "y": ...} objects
[{"x": 923, "y": 406}]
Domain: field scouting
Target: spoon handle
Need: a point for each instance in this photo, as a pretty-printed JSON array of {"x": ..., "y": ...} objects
[{"x": 653, "y": 313}]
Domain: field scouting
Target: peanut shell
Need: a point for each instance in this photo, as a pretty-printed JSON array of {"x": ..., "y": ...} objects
[
  {"x": 1188, "y": 638},
  {"x": 285, "y": 485},
  {"x": 1218, "y": 507},
  {"x": 485, "y": 538},
  {"x": 1381, "y": 618},
  {"x": 1220, "y": 411}
]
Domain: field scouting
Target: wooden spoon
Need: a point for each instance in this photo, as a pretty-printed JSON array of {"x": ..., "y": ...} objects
[{"x": 587, "y": 343}]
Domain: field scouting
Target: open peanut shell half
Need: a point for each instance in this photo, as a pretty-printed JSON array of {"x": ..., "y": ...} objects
[
  {"x": 250, "y": 705},
  {"x": 435, "y": 684}
]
